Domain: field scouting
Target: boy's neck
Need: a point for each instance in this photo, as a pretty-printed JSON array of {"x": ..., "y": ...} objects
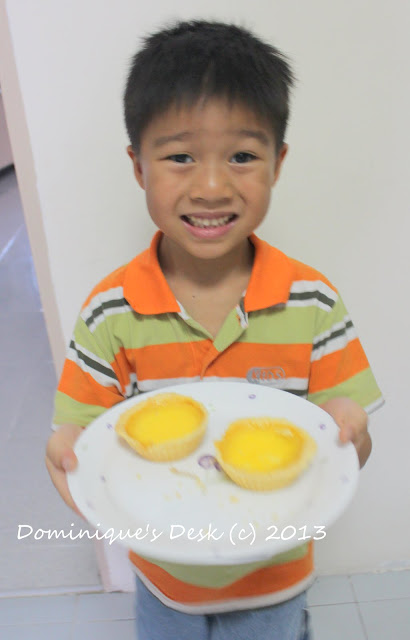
[{"x": 204, "y": 273}]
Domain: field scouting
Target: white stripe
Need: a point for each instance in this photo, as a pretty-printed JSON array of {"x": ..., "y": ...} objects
[
  {"x": 310, "y": 302},
  {"x": 243, "y": 317},
  {"x": 311, "y": 286},
  {"x": 337, "y": 326},
  {"x": 335, "y": 344},
  {"x": 184, "y": 315},
  {"x": 298, "y": 384},
  {"x": 153, "y": 385},
  {"x": 98, "y": 376},
  {"x": 374, "y": 406},
  {"x": 129, "y": 389},
  {"x": 116, "y": 293}
]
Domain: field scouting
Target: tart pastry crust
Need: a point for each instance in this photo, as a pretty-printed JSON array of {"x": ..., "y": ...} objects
[{"x": 165, "y": 427}]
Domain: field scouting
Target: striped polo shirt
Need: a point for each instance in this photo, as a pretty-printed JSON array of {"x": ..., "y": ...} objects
[{"x": 290, "y": 331}]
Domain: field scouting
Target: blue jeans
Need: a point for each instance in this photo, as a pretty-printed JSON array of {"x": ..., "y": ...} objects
[{"x": 285, "y": 621}]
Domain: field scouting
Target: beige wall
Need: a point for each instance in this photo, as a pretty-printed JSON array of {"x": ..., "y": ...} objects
[
  {"x": 16, "y": 115},
  {"x": 341, "y": 204},
  {"x": 6, "y": 157}
]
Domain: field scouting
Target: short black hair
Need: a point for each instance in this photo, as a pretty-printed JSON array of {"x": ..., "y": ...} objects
[{"x": 199, "y": 59}]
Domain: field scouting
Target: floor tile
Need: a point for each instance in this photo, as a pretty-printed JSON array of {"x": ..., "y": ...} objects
[
  {"x": 124, "y": 629},
  {"x": 381, "y": 586},
  {"x": 48, "y": 568},
  {"x": 27, "y": 387},
  {"x": 12, "y": 387},
  {"x": 27, "y": 343},
  {"x": 18, "y": 285},
  {"x": 105, "y": 606},
  {"x": 34, "y": 413},
  {"x": 386, "y": 619},
  {"x": 337, "y": 622},
  {"x": 36, "y": 610},
  {"x": 37, "y": 632},
  {"x": 330, "y": 590}
]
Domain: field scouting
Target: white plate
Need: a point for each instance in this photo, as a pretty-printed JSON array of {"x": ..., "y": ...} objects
[{"x": 207, "y": 519}]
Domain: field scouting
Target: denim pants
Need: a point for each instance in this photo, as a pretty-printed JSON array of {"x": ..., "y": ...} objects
[{"x": 285, "y": 621}]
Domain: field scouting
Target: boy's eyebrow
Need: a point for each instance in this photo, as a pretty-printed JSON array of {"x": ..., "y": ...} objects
[
  {"x": 243, "y": 133},
  {"x": 179, "y": 137},
  {"x": 252, "y": 133}
]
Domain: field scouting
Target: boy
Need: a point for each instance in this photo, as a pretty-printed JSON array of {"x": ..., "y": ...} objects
[{"x": 206, "y": 108}]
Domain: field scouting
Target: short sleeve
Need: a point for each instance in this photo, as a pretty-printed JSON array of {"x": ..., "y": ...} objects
[
  {"x": 96, "y": 373},
  {"x": 339, "y": 366}
]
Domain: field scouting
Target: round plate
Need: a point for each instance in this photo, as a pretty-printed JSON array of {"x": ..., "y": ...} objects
[{"x": 192, "y": 514}]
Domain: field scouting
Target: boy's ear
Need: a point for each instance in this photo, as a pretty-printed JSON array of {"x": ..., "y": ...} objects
[
  {"x": 137, "y": 166},
  {"x": 279, "y": 162}
]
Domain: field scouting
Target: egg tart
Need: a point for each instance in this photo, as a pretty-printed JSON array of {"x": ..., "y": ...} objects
[
  {"x": 264, "y": 453},
  {"x": 167, "y": 426}
]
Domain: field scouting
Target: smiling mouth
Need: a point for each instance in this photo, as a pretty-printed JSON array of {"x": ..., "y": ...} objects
[{"x": 206, "y": 223}]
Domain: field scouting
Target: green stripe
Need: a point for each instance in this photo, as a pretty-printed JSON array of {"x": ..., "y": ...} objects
[
  {"x": 213, "y": 576},
  {"x": 362, "y": 388},
  {"x": 230, "y": 332},
  {"x": 133, "y": 331},
  {"x": 72, "y": 411},
  {"x": 83, "y": 338},
  {"x": 294, "y": 325}
]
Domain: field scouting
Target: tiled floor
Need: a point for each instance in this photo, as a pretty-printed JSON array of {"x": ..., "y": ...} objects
[
  {"x": 360, "y": 607},
  {"x": 33, "y": 572},
  {"x": 27, "y": 385}
]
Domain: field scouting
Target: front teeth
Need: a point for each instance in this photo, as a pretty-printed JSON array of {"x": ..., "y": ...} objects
[{"x": 203, "y": 222}]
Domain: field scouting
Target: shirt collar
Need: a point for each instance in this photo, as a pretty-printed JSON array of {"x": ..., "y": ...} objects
[{"x": 148, "y": 292}]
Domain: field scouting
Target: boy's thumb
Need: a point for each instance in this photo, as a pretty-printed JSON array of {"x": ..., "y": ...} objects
[{"x": 67, "y": 462}]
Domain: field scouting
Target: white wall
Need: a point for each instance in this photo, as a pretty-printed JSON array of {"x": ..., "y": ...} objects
[{"x": 341, "y": 205}]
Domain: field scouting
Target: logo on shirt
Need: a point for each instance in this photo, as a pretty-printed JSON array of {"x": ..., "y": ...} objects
[{"x": 265, "y": 375}]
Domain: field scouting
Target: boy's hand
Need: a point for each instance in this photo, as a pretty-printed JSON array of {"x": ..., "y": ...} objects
[
  {"x": 352, "y": 421},
  {"x": 60, "y": 458}
]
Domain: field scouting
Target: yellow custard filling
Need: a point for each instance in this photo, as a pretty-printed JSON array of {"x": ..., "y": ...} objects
[
  {"x": 261, "y": 448},
  {"x": 264, "y": 453},
  {"x": 164, "y": 427},
  {"x": 159, "y": 423}
]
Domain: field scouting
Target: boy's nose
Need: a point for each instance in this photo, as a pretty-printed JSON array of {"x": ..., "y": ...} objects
[{"x": 211, "y": 183}]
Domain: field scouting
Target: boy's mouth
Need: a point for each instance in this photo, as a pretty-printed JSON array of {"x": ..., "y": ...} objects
[{"x": 203, "y": 222}]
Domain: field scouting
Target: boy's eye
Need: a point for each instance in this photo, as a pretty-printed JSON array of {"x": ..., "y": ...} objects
[
  {"x": 181, "y": 158},
  {"x": 242, "y": 157}
]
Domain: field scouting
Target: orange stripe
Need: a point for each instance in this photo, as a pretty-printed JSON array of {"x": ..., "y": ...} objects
[
  {"x": 80, "y": 386},
  {"x": 241, "y": 356},
  {"x": 175, "y": 360},
  {"x": 258, "y": 583},
  {"x": 187, "y": 359},
  {"x": 338, "y": 367}
]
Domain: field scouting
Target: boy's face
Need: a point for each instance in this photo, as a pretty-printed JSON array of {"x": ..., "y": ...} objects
[{"x": 207, "y": 172}]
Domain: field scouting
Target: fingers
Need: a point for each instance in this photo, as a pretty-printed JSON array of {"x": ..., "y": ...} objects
[
  {"x": 60, "y": 445},
  {"x": 60, "y": 458},
  {"x": 350, "y": 417},
  {"x": 346, "y": 434},
  {"x": 59, "y": 480}
]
